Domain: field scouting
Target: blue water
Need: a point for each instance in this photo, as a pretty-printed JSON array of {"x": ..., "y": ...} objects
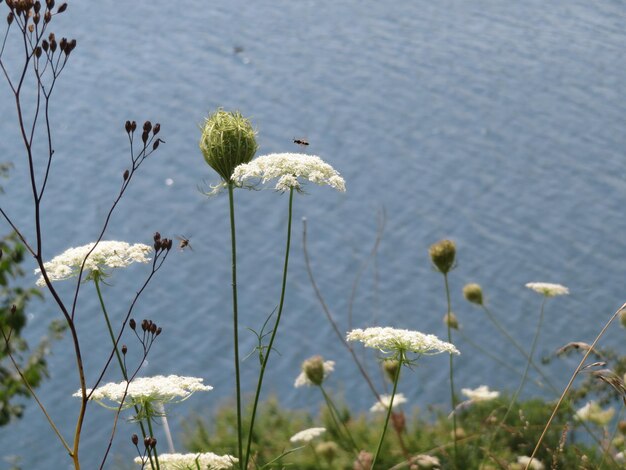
[{"x": 499, "y": 125}]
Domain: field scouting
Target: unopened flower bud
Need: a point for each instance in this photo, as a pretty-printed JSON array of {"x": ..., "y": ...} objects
[
  {"x": 47, "y": 17},
  {"x": 327, "y": 450},
  {"x": 449, "y": 319},
  {"x": 473, "y": 293},
  {"x": 391, "y": 368},
  {"x": 158, "y": 331},
  {"x": 313, "y": 368},
  {"x": 147, "y": 126},
  {"x": 442, "y": 255},
  {"x": 146, "y": 441},
  {"x": 62, "y": 8},
  {"x": 133, "y": 126},
  {"x": 153, "y": 442},
  {"x": 132, "y": 323},
  {"x": 156, "y": 129},
  {"x": 144, "y": 136},
  {"x": 156, "y": 144},
  {"x": 134, "y": 439},
  {"x": 227, "y": 140},
  {"x": 127, "y": 127},
  {"x": 124, "y": 349},
  {"x": 126, "y": 174}
]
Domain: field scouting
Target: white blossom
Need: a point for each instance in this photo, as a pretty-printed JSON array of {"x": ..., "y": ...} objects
[
  {"x": 393, "y": 339},
  {"x": 288, "y": 168},
  {"x": 383, "y": 403},
  {"x": 302, "y": 380},
  {"x": 107, "y": 254},
  {"x": 481, "y": 393},
  {"x": 548, "y": 289},
  {"x": 593, "y": 413},
  {"x": 162, "y": 389},
  {"x": 307, "y": 435},
  {"x": 426, "y": 461},
  {"x": 206, "y": 461},
  {"x": 534, "y": 465}
]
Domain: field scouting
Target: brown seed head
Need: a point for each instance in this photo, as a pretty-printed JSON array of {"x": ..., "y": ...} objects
[{"x": 134, "y": 439}]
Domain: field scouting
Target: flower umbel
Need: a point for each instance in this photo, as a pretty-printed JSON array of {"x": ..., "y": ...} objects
[
  {"x": 161, "y": 389},
  {"x": 107, "y": 254},
  {"x": 204, "y": 461},
  {"x": 548, "y": 289},
  {"x": 288, "y": 168},
  {"x": 383, "y": 404},
  {"x": 593, "y": 413},
  {"x": 307, "y": 435},
  {"x": 314, "y": 371},
  {"x": 481, "y": 393},
  {"x": 394, "y": 340}
]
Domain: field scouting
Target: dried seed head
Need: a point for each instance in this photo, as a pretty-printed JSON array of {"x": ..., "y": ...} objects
[
  {"x": 133, "y": 126},
  {"x": 47, "y": 16},
  {"x": 36, "y": 18},
  {"x": 38, "y": 52},
  {"x": 31, "y": 28},
  {"x": 473, "y": 293},
  {"x": 50, "y": 4},
  {"x": 144, "y": 325},
  {"x": 45, "y": 45},
  {"x": 37, "y": 6},
  {"x": 158, "y": 331},
  {"x": 126, "y": 174},
  {"x": 147, "y": 126},
  {"x": 156, "y": 144},
  {"x": 127, "y": 127},
  {"x": 63, "y": 44},
  {"x": 449, "y": 319},
  {"x": 227, "y": 140},
  {"x": 156, "y": 129},
  {"x": 391, "y": 368},
  {"x": 146, "y": 441},
  {"x": 134, "y": 439},
  {"x": 144, "y": 137},
  {"x": 313, "y": 368},
  {"x": 124, "y": 349},
  {"x": 442, "y": 255},
  {"x": 132, "y": 323},
  {"x": 10, "y": 17},
  {"x": 62, "y": 8},
  {"x": 153, "y": 328}
]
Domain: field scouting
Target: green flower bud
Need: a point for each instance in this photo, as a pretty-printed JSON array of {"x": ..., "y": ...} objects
[
  {"x": 449, "y": 319},
  {"x": 473, "y": 293},
  {"x": 327, "y": 450},
  {"x": 391, "y": 368},
  {"x": 228, "y": 140},
  {"x": 442, "y": 255},
  {"x": 313, "y": 368}
]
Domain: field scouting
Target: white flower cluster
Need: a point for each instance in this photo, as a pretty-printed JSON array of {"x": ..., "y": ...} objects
[
  {"x": 383, "y": 404},
  {"x": 534, "y": 465},
  {"x": 302, "y": 380},
  {"x": 393, "y": 339},
  {"x": 307, "y": 435},
  {"x": 204, "y": 461},
  {"x": 288, "y": 167},
  {"x": 547, "y": 289},
  {"x": 107, "y": 254},
  {"x": 593, "y": 413},
  {"x": 156, "y": 389},
  {"x": 481, "y": 393}
]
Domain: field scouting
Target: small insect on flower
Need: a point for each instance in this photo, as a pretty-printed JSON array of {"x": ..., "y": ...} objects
[
  {"x": 302, "y": 142},
  {"x": 184, "y": 242}
]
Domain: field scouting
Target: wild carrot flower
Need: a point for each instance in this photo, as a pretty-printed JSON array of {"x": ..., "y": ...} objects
[
  {"x": 307, "y": 435},
  {"x": 383, "y": 403},
  {"x": 593, "y": 413},
  {"x": 161, "y": 389},
  {"x": 481, "y": 393},
  {"x": 535, "y": 464},
  {"x": 288, "y": 168},
  {"x": 393, "y": 340},
  {"x": 426, "y": 461},
  {"x": 314, "y": 371},
  {"x": 107, "y": 254},
  {"x": 204, "y": 461},
  {"x": 548, "y": 289}
]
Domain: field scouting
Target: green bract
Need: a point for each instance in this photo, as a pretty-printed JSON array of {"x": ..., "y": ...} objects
[{"x": 228, "y": 140}]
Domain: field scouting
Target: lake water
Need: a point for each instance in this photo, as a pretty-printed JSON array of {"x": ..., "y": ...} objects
[{"x": 499, "y": 125}]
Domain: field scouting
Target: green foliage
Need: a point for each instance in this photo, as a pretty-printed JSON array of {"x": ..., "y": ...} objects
[
  {"x": 430, "y": 435},
  {"x": 13, "y": 306}
]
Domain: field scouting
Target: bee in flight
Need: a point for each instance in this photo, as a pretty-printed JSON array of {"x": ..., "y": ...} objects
[
  {"x": 184, "y": 243},
  {"x": 302, "y": 142}
]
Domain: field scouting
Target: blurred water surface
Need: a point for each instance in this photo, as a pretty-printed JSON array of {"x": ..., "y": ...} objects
[{"x": 497, "y": 124}]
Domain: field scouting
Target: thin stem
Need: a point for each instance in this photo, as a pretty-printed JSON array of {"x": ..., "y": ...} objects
[
  {"x": 271, "y": 343},
  {"x": 452, "y": 397},
  {"x": 235, "y": 320},
  {"x": 337, "y": 420},
  {"x": 154, "y": 450},
  {"x": 393, "y": 394},
  {"x": 570, "y": 383},
  {"x": 106, "y": 318}
]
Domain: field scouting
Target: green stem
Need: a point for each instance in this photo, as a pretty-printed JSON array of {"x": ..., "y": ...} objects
[
  {"x": 452, "y": 397},
  {"x": 271, "y": 343},
  {"x": 235, "y": 319},
  {"x": 521, "y": 385},
  {"x": 154, "y": 451},
  {"x": 117, "y": 353},
  {"x": 334, "y": 413},
  {"x": 393, "y": 394}
]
